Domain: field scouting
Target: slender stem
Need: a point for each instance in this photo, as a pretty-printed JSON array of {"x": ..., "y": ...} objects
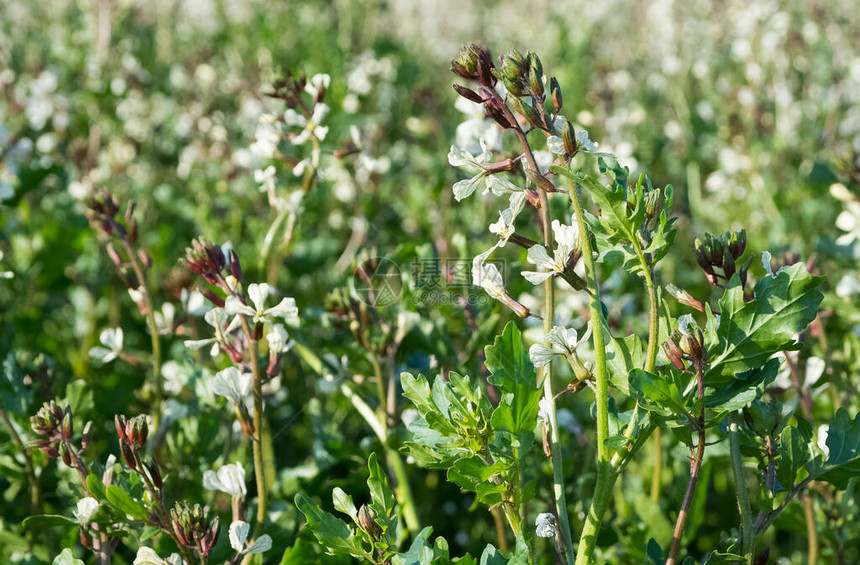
[
  {"x": 695, "y": 467},
  {"x": 501, "y": 539},
  {"x": 655, "y": 476},
  {"x": 605, "y": 473},
  {"x": 257, "y": 440},
  {"x": 747, "y": 530},
  {"x": 153, "y": 328},
  {"x": 811, "y": 532},
  {"x": 380, "y": 385}
]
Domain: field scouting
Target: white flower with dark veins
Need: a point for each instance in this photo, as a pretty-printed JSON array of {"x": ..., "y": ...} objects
[
  {"x": 229, "y": 479},
  {"x": 217, "y": 318},
  {"x": 567, "y": 241},
  {"x": 504, "y": 228},
  {"x": 286, "y": 309},
  {"x": 474, "y": 164},
  {"x": 545, "y": 525},
  {"x": 560, "y": 342}
]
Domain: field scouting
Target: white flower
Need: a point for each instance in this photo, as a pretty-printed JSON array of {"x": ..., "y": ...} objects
[
  {"x": 147, "y": 556},
  {"x": 504, "y": 228},
  {"x": 279, "y": 340},
  {"x": 543, "y": 410},
  {"x": 309, "y": 126},
  {"x": 87, "y": 508},
  {"x": 239, "y": 533},
  {"x": 111, "y": 339},
  {"x": 266, "y": 141},
  {"x": 318, "y": 81},
  {"x": 266, "y": 178},
  {"x": 218, "y": 319},
  {"x": 286, "y": 309},
  {"x": 583, "y": 142},
  {"x": 232, "y": 384},
  {"x": 561, "y": 342},
  {"x": 488, "y": 277},
  {"x": 545, "y": 525},
  {"x": 474, "y": 164},
  {"x": 230, "y": 479},
  {"x": 567, "y": 241},
  {"x": 555, "y": 144}
]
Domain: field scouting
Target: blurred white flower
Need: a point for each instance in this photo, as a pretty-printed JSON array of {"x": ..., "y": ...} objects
[
  {"x": 265, "y": 178},
  {"x": 286, "y": 309},
  {"x": 567, "y": 241},
  {"x": 309, "y": 126},
  {"x": 504, "y": 228},
  {"x": 87, "y": 507},
  {"x": 239, "y": 533},
  {"x": 278, "y": 338},
  {"x": 229, "y": 479},
  {"x": 545, "y": 525},
  {"x": 111, "y": 339},
  {"x": 316, "y": 82},
  {"x": 147, "y": 556},
  {"x": 232, "y": 384}
]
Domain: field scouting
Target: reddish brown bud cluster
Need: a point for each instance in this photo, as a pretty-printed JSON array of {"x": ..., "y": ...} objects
[
  {"x": 132, "y": 436},
  {"x": 56, "y": 427},
  {"x": 207, "y": 260},
  {"x": 686, "y": 344},
  {"x": 192, "y": 527},
  {"x": 717, "y": 256}
]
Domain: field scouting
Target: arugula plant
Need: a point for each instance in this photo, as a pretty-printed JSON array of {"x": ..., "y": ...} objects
[{"x": 690, "y": 380}]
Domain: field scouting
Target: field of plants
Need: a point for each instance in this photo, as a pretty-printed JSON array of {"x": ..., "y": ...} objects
[{"x": 414, "y": 282}]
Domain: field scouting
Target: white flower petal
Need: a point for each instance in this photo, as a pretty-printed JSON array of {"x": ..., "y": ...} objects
[
  {"x": 263, "y": 544},
  {"x": 234, "y": 306},
  {"x": 238, "y": 534},
  {"x": 87, "y": 507},
  {"x": 285, "y": 309}
]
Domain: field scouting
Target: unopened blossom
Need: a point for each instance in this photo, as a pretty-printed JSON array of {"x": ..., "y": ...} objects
[
  {"x": 111, "y": 339},
  {"x": 567, "y": 241},
  {"x": 239, "y": 534},
  {"x": 545, "y": 525},
  {"x": 230, "y": 479},
  {"x": 87, "y": 507},
  {"x": 560, "y": 342},
  {"x": 233, "y": 384},
  {"x": 286, "y": 309},
  {"x": 474, "y": 164}
]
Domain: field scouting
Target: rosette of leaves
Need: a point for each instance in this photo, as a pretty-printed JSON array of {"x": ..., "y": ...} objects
[
  {"x": 458, "y": 428},
  {"x": 633, "y": 223}
]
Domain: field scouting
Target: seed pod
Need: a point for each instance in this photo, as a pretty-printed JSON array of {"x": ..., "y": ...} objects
[{"x": 568, "y": 136}]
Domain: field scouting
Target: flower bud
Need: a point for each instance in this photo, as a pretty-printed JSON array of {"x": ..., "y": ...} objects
[
  {"x": 536, "y": 82},
  {"x": 154, "y": 473},
  {"x": 114, "y": 256},
  {"x": 555, "y": 94},
  {"x": 120, "y": 423},
  {"x": 737, "y": 241},
  {"x": 128, "y": 455},
  {"x": 468, "y": 94},
  {"x": 144, "y": 258},
  {"x": 568, "y": 136},
  {"x": 653, "y": 203},
  {"x": 68, "y": 426},
  {"x": 526, "y": 110},
  {"x": 366, "y": 520},
  {"x": 235, "y": 266}
]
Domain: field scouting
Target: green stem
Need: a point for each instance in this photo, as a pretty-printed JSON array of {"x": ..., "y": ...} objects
[
  {"x": 605, "y": 473},
  {"x": 747, "y": 532}
]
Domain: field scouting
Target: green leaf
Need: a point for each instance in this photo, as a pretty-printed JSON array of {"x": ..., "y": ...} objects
[
  {"x": 514, "y": 375},
  {"x": 334, "y": 534},
  {"x": 96, "y": 487},
  {"x": 66, "y": 558},
  {"x": 344, "y": 503},
  {"x": 126, "y": 504},
  {"x": 48, "y": 521},
  {"x": 747, "y": 387},
  {"x": 660, "y": 393},
  {"x": 794, "y": 454},
  {"x": 380, "y": 494},
  {"x": 749, "y": 333},
  {"x": 843, "y": 442},
  {"x": 655, "y": 552},
  {"x": 15, "y": 397}
]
